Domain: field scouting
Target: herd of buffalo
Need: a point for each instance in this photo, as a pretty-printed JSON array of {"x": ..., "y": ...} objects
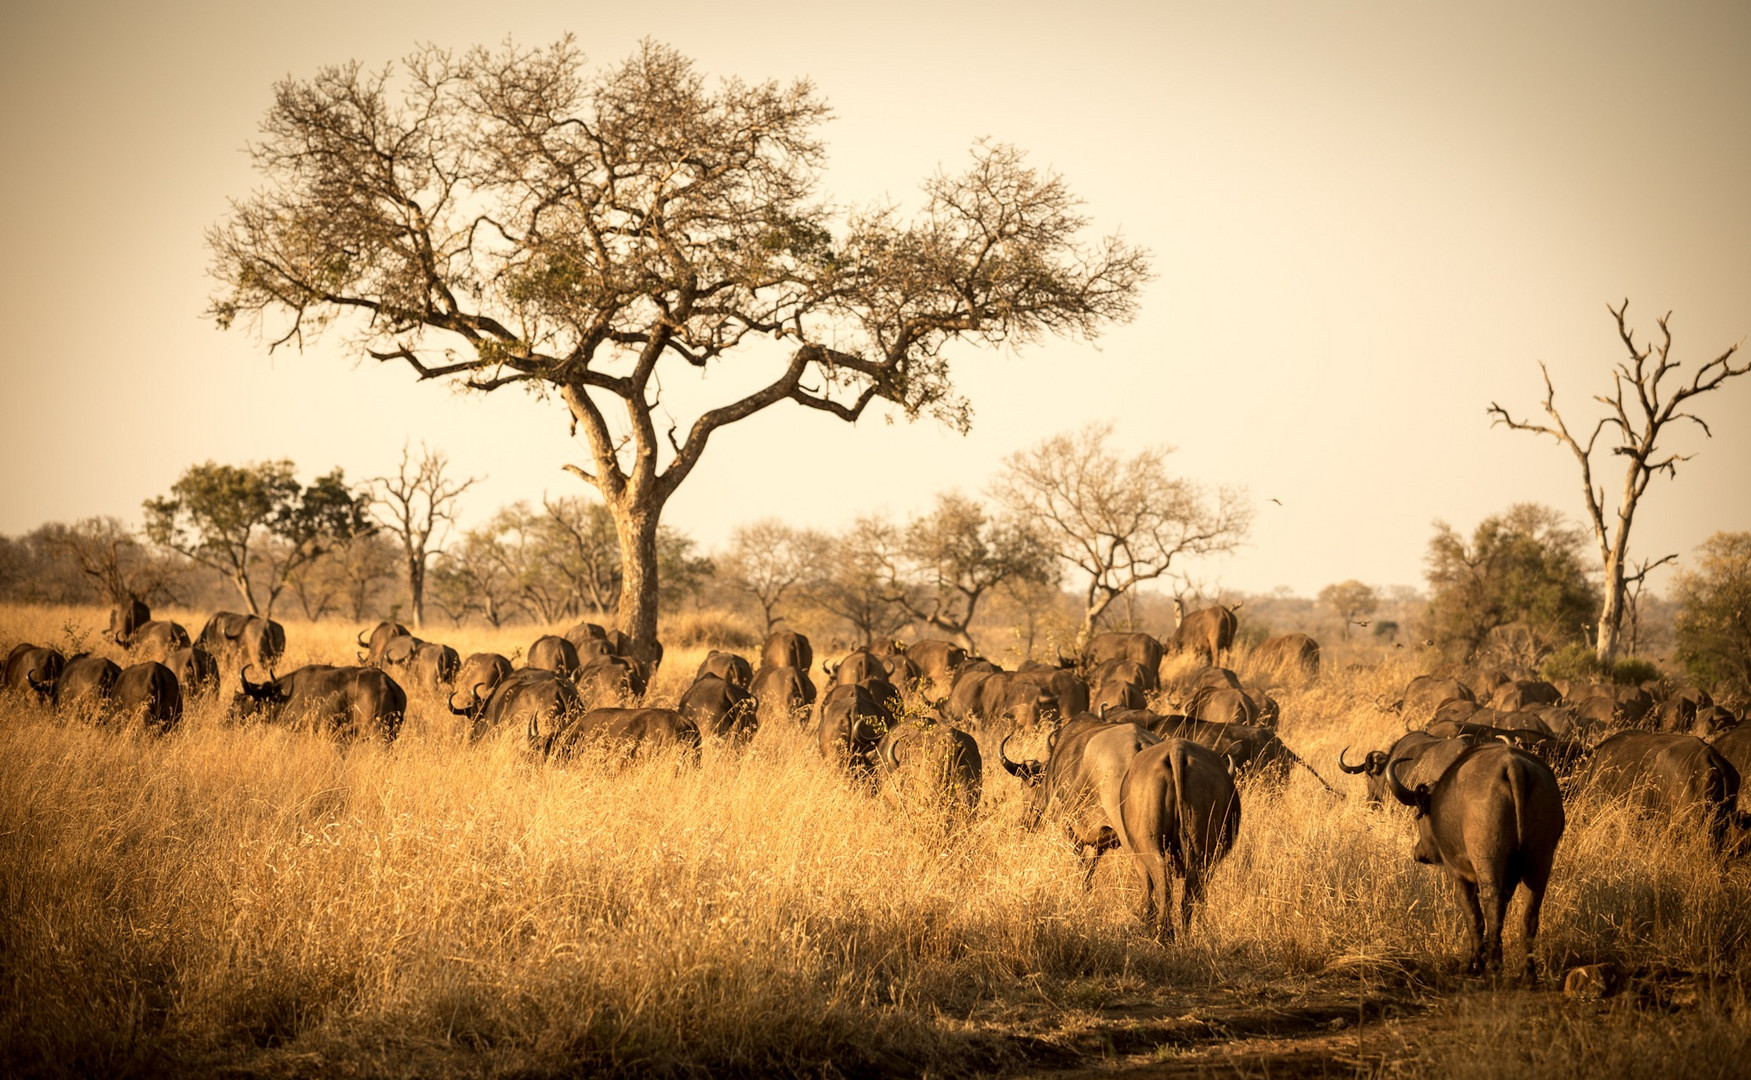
[{"x": 1133, "y": 763}]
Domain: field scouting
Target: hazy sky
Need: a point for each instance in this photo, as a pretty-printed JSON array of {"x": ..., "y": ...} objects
[{"x": 1368, "y": 221}]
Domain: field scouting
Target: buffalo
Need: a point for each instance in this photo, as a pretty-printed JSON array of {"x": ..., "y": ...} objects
[
  {"x": 783, "y": 694},
  {"x": 1420, "y": 757},
  {"x": 1523, "y": 693},
  {"x": 349, "y": 702},
  {"x": 981, "y": 695},
  {"x": 1207, "y": 633},
  {"x": 1179, "y": 813},
  {"x": 853, "y": 721},
  {"x": 132, "y": 627},
  {"x": 540, "y": 701},
  {"x": 384, "y": 633},
  {"x": 727, "y": 666},
  {"x": 1139, "y": 648},
  {"x": 256, "y": 641},
  {"x": 787, "y": 648},
  {"x": 478, "y": 674},
  {"x": 1425, "y": 693},
  {"x": 634, "y": 730},
  {"x": 433, "y": 666},
  {"x": 34, "y": 668},
  {"x": 195, "y": 670},
  {"x": 1492, "y": 819},
  {"x": 1254, "y": 751},
  {"x": 553, "y": 653},
  {"x": 1085, "y": 765},
  {"x": 938, "y": 662},
  {"x": 858, "y": 667},
  {"x": 149, "y": 692},
  {"x": 1676, "y": 776},
  {"x": 719, "y": 707},
  {"x": 85, "y": 682},
  {"x": 613, "y": 679},
  {"x": 1294, "y": 655},
  {"x": 947, "y": 757}
]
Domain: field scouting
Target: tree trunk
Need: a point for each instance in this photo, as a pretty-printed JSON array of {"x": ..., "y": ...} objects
[
  {"x": 1611, "y": 616},
  {"x": 241, "y": 580},
  {"x": 636, "y": 528},
  {"x": 416, "y": 587}
]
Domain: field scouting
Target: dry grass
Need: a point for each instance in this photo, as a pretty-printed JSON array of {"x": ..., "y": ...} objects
[{"x": 244, "y": 894}]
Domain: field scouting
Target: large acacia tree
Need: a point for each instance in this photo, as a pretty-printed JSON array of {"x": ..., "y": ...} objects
[{"x": 506, "y": 218}]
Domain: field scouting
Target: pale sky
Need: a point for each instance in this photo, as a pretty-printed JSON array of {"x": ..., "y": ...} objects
[{"x": 1367, "y": 220}]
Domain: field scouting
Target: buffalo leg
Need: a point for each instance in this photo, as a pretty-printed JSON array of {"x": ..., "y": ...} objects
[
  {"x": 1536, "y": 878},
  {"x": 1494, "y": 899},
  {"x": 1474, "y": 920}
]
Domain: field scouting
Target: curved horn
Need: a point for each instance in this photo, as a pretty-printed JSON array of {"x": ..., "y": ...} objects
[
  {"x": 259, "y": 691},
  {"x": 363, "y": 644},
  {"x": 888, "y": 749},
  {"x": 1396, "y": 786},
  {"x": 1103, "y": 711},
  {"x": 473, "y": 701},
  {"x": 1344, "y": 766}
]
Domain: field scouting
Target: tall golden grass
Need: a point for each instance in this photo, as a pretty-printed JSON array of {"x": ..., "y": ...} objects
[{"x": 231, "y": 895}]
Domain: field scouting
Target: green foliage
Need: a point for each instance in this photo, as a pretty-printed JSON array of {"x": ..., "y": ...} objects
[
  {"x": 1714, "y": 617},
  {"x": 1579, "y": 662},
  {"x": 254, "y": 522},
  {"x": 1524, "y": 566},
  {"x": 1633, "y": 671}
]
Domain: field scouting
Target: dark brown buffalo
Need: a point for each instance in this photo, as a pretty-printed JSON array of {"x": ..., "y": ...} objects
[
  {"x": 132, "y": 627},
  {"x": 433, "y": 666},
  {"x": 349, "y": 702},
  {"x": 944, "y": 757},
  {"x": 384, "y": 633},
  {"x": 1419, "y": 757},
  {"x": 1122, "y": 670},
  {"x": 250, "y": 639},
  {"x": 1734, "y": 744},
  {"x": 727, "y": 666},
  {"x": 634, "y": 731},
  {"x": 1207, "y": 633},
  {"x": 195, "y": 670},
  {"x": 534, "y": 701},
  {"x": 34, "y": 669},
  {"x": 478, "y": 676},
  {"x": 148, "y": 693},
  {"x": 1426, "y": 693},
  {"x": 1691, "y": 711},
  {"x": 787, "y": 648},
  {"x": 585, "y": 632},
  {"x": 784, "y": 694},
  {"x": 1084, "y": 768},
  {"x": 1254, "y": 751},
  {"x": 938, "y": 662},
  {"x": 720, "y": 708},
  {"x": 1672, "y": 776},
  {"x": 902, "y": 672},
  {"x": 981, "y": 697},
  {"x": 1492, "y": 819},
  {"x": 1560, "y": 753},
  {"x": 1115, "y": 696},
  {"x": 1179, "y": 813},
  {"x": 1288, "y": 655},
  {"x": 85, "y": 682},
  {"x": 1137, "y": 647},
  {"x": 1226, "y": 707},
  {"x": 858, "y": 667},
  {"x": 552, "y": 653},
  {"x": 1524, "y": 693},
  {"x": 853, "y": 721}
]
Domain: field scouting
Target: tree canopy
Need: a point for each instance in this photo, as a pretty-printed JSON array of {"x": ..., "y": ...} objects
[
  {"x": 1521, "y": 567},
  {"x": 506, "y": 218},
  {"x": 1714, "y": 618}
]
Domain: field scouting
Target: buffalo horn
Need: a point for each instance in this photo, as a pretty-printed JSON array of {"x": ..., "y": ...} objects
[
  {"x": 888, "y": 747},
  {"x": 259, "y": 691},
  {"x": 363, "y": 644},
  {"x": 1344, "y": 766},
  {"x": 1013, "y": 768},
  {"x": 1396, "y": 786}
]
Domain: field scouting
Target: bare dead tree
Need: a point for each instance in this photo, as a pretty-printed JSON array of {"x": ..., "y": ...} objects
[
  {"x": 1639, "y": 409},
  {"x": 1121, "y": 521},
  {"x": 769, "y": 560},
  {"x": 414, "y": 504}
]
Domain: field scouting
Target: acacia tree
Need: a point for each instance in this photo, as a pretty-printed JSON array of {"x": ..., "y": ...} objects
[
  {"x": 950, "y": 558},
  {"x": 418, "y": 501},
  {"x": 1351, "y": 601},
  {"x": 1121, "y": 521},
  {"x": 769, "y": 560},
  {"x": 856, "y": 586},
  {"x": 1639, "y": 409},
  {"x": 112, "y": 557},
  {"x": 238, "y": 519},
  {"x": 500, "y": 218}
]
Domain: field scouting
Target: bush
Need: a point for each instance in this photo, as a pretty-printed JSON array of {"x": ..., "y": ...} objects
[
  {"x": 1633, "y": 671},
  {"x": 1575, "y": 662}
]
